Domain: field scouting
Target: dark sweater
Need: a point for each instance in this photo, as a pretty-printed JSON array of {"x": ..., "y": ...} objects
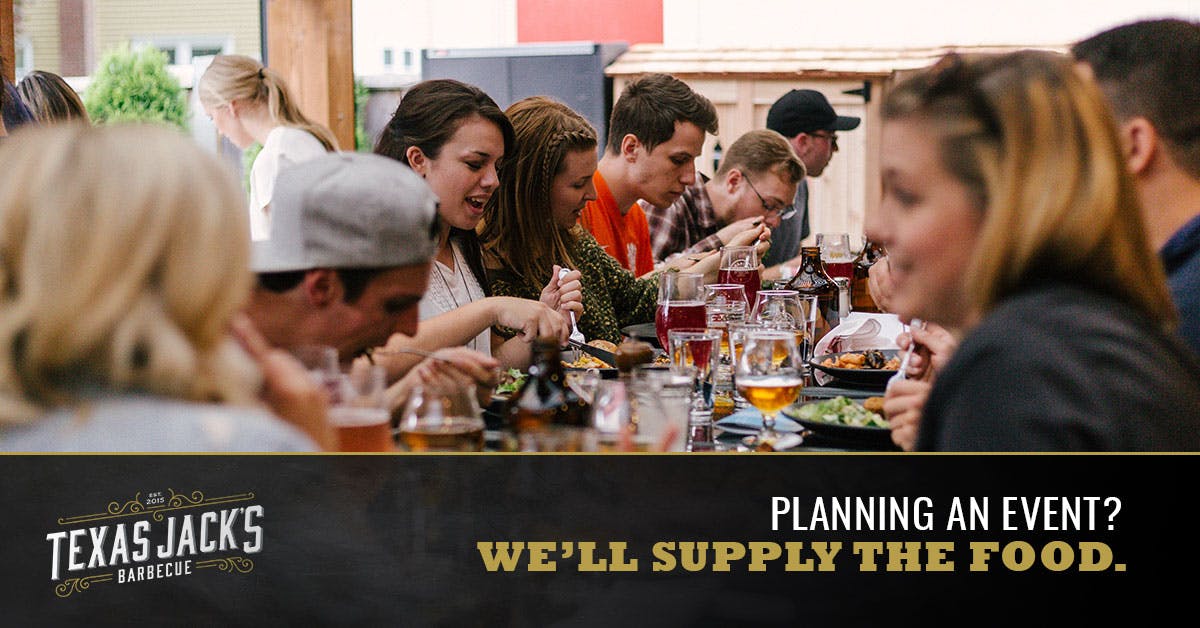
[{"x": 1062, "y": 368}]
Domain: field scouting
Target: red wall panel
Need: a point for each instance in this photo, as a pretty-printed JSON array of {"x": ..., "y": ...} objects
[{"x": 630, "y": 21}]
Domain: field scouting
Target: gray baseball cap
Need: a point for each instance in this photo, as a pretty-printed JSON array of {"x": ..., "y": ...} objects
[{"x": 348, "y": 210}]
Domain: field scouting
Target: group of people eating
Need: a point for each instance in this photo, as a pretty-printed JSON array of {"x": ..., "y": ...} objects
[{"x": 147, "y": 305}]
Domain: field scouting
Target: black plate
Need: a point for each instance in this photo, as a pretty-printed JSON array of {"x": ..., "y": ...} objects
[
  {"x": 875, "y": 437},
  {"x": 644, "y": 332},
  {"x": 604, "y": 373},
  {"x": 865, "y": 377}
]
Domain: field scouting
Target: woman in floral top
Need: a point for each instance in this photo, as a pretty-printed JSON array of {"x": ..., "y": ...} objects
[{"x": 529, "y": 229}]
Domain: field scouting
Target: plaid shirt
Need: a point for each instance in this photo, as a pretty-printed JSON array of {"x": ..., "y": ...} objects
[{"x": 689, "y": 225}]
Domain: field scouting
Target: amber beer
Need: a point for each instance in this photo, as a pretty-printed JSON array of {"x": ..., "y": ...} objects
[
  {"x": 362, "y": 429},
  {"x": 770, "y": 393},
  {"x": 442, "y": 434}
]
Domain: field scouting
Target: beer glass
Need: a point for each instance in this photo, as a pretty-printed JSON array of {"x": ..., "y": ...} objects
[
  {"x": 739, "y": 264},
  {"x": 680, "y": 304},
  {"x": 770, "y": 375},
  {"x": 835, "y": 253},
  {"x": 359, "y": 411},
  {"x": 442, "y": 418}
]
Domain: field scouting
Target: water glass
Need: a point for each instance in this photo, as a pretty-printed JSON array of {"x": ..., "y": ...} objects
[
  {"x": 611, "y": 413},
  {"x": 696, "y": 354},
  {"x": 662, "y": 400},
  {"x": 321, "y": 362}
]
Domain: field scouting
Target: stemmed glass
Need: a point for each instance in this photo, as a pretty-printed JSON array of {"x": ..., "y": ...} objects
[
  {"x": 788, "y": 310},
  {"x": 835, "y": 253},
  {"x": 680, "y": 304},
  {"x": 441, "y": 418},
  {"x": 739, "y": 265},
  {"x": 770, "y": 375}
]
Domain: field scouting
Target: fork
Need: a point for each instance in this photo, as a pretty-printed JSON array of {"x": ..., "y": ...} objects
[
  {"x": 576, "y": 335},
  {"x": 902, "y": 372}
]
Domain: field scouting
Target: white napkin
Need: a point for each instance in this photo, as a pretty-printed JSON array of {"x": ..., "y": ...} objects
[{"x": 859, "y": 331}]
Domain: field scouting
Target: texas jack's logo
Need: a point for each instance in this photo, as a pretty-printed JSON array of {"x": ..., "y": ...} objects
[{"x": 161, "y": 535}]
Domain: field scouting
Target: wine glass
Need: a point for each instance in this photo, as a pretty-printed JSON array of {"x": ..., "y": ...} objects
[
  {"x": 770, "y": 375},
  {"x": 680, "y": 304},
  {"x": 835, "y": 253},
  {"x": 788, "y": 310},
  {"x": 739, "y": 264}
]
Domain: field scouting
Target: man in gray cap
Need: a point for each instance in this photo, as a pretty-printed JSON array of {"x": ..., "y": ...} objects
[
  {"x": 352, "y": 235},
  {"x": 808, "y": 121},
  {"x": 347, "y": 262}
]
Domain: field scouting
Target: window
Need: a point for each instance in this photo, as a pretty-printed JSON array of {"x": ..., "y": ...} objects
[
  {"x": 23, "y": 64},
  {"x": 387, "y": 58},
  {"x": 182, "y": 51},
  {"x": 408, "y": 58}
]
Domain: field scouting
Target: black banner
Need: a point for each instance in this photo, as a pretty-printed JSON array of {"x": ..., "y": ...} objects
[{"x": 616, "y": 540}]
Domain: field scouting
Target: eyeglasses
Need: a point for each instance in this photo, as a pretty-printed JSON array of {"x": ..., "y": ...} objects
[
  {"x": 832, "y": 137},
  {"x": 784, "y": 211}
]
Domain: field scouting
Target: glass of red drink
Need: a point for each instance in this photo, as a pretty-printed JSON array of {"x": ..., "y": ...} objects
[
  {"x": 680, "y": 304},
  {"x": 739, "y": 264},
  {"x": 835, "y": 253}
]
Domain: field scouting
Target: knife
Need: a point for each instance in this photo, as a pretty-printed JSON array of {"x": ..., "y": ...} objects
[{"x": 608, "y": 356}]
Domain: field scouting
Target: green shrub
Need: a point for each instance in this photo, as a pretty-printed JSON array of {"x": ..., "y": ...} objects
[
  {"x": 362, "y": 143},
  {"x": 135, "y": 86}
]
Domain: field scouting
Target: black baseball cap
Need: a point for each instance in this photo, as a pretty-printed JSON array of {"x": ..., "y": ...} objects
[{"x": 805, "y": 111}]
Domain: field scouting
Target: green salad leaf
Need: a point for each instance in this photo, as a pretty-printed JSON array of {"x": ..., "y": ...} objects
[
  {"x": 510, "y": 381},
  {"x": 841, "y": 411}
]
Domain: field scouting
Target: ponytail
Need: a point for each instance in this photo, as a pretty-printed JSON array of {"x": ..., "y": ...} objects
[{"x": 238, "y": 77}]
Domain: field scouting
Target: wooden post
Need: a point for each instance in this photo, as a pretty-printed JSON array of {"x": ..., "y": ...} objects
[
  {"x": 8, "y": 48},
  {"x": 309, "y": 42}
]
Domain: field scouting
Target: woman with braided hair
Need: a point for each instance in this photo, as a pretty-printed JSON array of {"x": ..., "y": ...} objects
[
  {"x": 529, "y": 228},
  {"x": 251, "y": 104}
]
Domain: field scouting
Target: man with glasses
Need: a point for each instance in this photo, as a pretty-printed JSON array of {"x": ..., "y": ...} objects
[
  {"x": 749, "y": 195},
  {"x": 810, "y": 124}
]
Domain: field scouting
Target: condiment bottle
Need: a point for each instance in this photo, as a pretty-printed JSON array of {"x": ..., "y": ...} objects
[
  {"x": 860, "y": 294},
  {"x": 811, "y": 279},
  {"x": 545, "y": 413}
]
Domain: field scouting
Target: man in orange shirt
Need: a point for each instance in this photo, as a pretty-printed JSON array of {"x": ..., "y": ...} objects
[{"x": 654, "y": 136}]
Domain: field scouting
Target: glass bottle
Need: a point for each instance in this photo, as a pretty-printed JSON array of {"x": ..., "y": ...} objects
[
  {"x": 545, "y": 413},
  {"x": 811, "y": 278},
  {"x": 860, "y": 294}
]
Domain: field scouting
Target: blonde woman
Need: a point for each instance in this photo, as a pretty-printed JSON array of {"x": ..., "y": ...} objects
[
  {"x": 251, "y": 104},
  {"x": 1008, "y": 215},
  {"x": 118, "y": 298},
  {"x": 50, "y": 98}
]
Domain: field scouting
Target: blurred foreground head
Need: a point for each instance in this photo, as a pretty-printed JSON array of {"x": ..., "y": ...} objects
[
  {"x": 1027, "y": 179},
  {"x": 124, "y": 253}
]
